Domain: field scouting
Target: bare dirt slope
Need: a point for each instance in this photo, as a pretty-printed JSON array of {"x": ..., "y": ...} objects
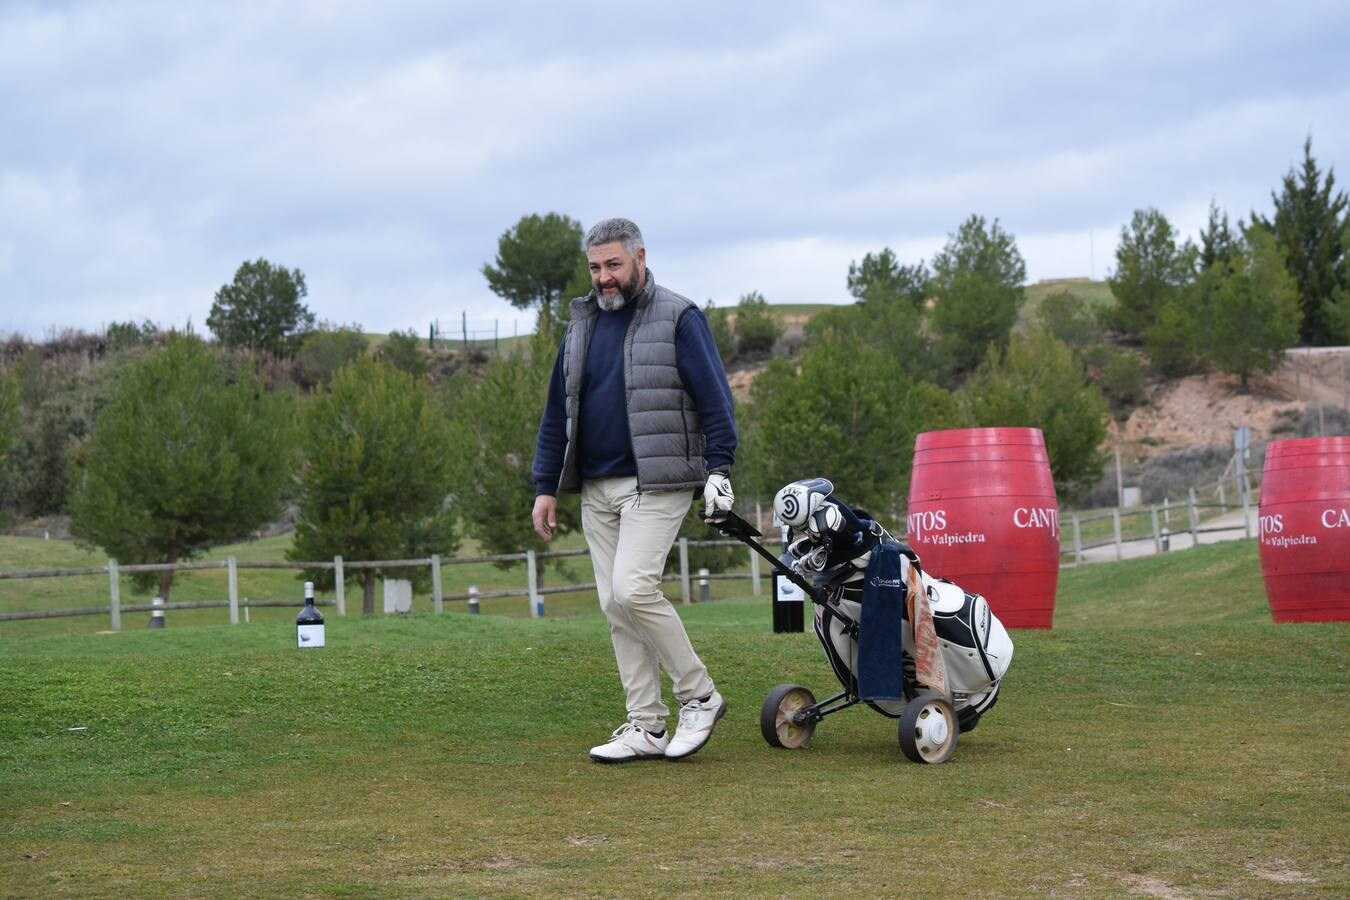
[{"x": 1206, "y": 409}]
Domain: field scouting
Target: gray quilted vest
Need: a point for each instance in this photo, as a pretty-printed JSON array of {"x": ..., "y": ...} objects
[{"x": 662, "y": 420}]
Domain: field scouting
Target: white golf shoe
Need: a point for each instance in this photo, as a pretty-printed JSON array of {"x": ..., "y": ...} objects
[
  {"x": 628, "y": 743},
  {"x": 697, "y": 718}
]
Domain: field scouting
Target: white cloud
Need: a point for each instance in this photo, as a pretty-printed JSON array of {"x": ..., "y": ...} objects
[{"x": 382, "y": 148}]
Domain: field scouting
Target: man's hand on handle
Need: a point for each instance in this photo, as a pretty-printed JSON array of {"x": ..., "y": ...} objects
[
  {"x": 717, "y": 496},
  {"x": 545, "y": 516}
]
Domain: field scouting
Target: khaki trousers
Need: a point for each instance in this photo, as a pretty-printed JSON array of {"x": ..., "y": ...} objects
[{"x": 630, "y": 535}]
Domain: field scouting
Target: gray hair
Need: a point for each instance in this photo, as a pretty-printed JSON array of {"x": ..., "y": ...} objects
[{"x": 607, "y": 231}]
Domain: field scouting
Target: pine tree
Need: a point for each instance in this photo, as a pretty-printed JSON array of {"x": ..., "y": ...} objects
[
  {"x": 262, "y": 309},
  {"x": 1151, "y": 271},
  {"x": 1254, "y": 309},
  {"x": 380, "y": 463},
  {"x": 849, "y": 412},
  {"x": 977, "y": 282},
  {"x": 1311, "y": 225},
  {"x": 1038, "y": 382},
  {"x": 185, "y": 455}
]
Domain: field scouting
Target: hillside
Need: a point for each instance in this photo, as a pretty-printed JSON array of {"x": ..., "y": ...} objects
[
  {"x": 1205, "y": 409},
  {"x": 1199, "y": 410}
]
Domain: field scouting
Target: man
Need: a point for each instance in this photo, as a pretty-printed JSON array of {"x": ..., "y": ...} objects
[{"x": 639, "y": 418}]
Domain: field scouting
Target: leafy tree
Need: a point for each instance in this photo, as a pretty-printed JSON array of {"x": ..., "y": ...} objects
[
  {"x": 56, "y": 409},
  {"x": 1254, "y": 309},
  {"x": 1122, "y": 380},
  {"x": 757, "y": 329},
  {"x": 499, "y": 418},
  {"x": 1038, "y": 382},
  {"x": 977, "y": 279},
  {"x": 893, "y": 326},
  {"x": 1312, "y": 227},
  {"x": 850, "y": 413},
  {"x": 327, "y": 349},
  {"x": 403, "y": 351},
  {"x": 9, "y": 411},
  {"x": 721, "y": 332},
  {"x": 262, "y": 309},
  {"x": 126, "y": 335},
  {"x": 1176, "y": 341},
  {"x": 379, "y": 466},
  {"x": 1071, "y": 319},
  {"x": 1151, "y": 270},
  {"x": 183, "y": 457},
  {"x": 881, "y": 277},
  {"x": 538, "y": 263}
]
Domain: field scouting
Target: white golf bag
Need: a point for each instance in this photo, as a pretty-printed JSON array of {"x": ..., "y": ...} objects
[{"x": 833, "y": 545}]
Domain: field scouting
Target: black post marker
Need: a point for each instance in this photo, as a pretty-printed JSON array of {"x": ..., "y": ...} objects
[{"x": 309, "y": 624}]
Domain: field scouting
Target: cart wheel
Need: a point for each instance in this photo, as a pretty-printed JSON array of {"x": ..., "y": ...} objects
[
  {"x": 775, "y": 716},
  {"x": 928, "y": 729}
]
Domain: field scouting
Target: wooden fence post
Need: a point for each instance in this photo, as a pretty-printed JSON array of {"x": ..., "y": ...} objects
[
  {"x": 1194, "y": 516},
  {"x": 536, "y": 603},
  {"x": 1157, "y": 534},
  {"x": 684, "y": 570},
  {"x": 1246, "y": 511},
  {"x": 340, "y": 586},
  {"x": 232, "y": 578},
  {"x": 1115, "y": 522},
  {"x": 437, "y": 598},
  {"x": 114, "y": 596}
]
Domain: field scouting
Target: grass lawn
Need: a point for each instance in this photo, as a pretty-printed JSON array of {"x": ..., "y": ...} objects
[{"x": 1165, "y": 739}]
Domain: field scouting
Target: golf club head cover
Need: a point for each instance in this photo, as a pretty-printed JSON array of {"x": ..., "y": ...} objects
[{"x": 795, "y": 503}]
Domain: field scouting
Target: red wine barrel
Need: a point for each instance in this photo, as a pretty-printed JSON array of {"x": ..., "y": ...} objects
[
  {"x": 1304, "y": 529},
  {"x": 983, "y": 513}
]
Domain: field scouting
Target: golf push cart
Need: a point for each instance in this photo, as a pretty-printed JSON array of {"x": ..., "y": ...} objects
[{"x": 908, "y": 645}]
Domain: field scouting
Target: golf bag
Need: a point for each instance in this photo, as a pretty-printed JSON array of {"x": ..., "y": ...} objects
[{"x": 835, "y": 547}]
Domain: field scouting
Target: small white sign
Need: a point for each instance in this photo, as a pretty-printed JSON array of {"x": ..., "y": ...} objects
[
  {"x": 785, "y": 591},
  {"x": 309, "y": 635},
  {"x": 397, "y": 595}
]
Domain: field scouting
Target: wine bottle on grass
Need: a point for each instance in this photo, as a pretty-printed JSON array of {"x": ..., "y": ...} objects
[{"x": 309, "y": 624}]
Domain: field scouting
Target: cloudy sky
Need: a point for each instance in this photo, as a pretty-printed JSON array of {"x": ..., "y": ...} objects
[{"x": 146, "y": 149}]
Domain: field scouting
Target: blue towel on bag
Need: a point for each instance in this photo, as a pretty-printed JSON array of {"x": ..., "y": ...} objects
[{"x": 880, "y": 676}]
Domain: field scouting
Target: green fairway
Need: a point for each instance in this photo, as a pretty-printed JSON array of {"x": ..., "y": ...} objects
[{"x": 1165, "y": 739}]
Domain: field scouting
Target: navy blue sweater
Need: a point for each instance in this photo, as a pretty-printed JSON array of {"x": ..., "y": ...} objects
[{"x": 604, "y": 446}]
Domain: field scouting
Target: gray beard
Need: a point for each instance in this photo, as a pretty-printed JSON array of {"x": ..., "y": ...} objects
[{"x": 611, "y": 304}]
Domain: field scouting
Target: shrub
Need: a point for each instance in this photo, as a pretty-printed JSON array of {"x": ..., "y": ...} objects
[
  {"x": 721, "y": 332},
  {"x": 1171, "y": 473},
  {"x": 1069, "y": 318},
  {"x": 757, "y": 329},
  {"x": 1122, "y": 381},
  {"x": 1038, "y": 382},
  {"x": 125, "y": 335},
  {"x": 327, "y": 350},
  {"x": 403, "y": 351}
]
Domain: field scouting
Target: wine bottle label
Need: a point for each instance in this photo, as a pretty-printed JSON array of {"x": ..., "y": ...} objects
[{"x": 309, "y": 635}]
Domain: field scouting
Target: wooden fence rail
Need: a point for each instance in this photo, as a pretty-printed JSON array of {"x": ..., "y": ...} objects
[
  {"x": 1160, "y": 531},
  {"x": 113, "y": 570}
]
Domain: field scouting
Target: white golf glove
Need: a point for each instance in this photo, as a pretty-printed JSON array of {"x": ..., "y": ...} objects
[{"x": 717, "y": 496}]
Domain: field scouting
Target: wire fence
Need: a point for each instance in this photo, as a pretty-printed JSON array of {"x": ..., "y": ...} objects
[{"x": 472, "y": 334}]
